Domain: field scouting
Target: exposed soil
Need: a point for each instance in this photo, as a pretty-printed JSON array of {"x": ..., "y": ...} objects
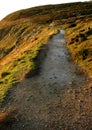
[{"x": 57, "y": 98}]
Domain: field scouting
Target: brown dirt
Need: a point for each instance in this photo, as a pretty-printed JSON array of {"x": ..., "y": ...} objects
[{"x": 59, "y": 98}]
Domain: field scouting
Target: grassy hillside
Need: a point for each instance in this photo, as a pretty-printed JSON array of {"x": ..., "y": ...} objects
[
  {"x": 79, "y": 35},
  {"x": 20, "y": 44},
  {"x": 24, "y": 33}
]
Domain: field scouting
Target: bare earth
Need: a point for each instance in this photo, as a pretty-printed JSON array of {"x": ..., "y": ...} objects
[{"x": 55, "y": 99}]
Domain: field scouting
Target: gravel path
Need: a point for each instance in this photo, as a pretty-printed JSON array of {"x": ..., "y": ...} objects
[{"x": 33, "y": 96}]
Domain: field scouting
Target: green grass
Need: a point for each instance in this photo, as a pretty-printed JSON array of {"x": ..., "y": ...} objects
[{"x": 15, "y": 72}]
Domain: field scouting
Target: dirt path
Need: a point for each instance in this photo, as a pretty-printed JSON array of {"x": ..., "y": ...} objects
[{"x": 33, "y": 97}]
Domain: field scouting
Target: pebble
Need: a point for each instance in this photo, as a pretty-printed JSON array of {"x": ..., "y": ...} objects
[
  {"x": 23, "y": 126},
  {"x": 70, "y": 82}
]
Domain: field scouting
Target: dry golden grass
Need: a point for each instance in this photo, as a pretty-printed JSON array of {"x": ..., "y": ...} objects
[
  {"x": 79, "y": 43},
  {"x": 19, "y": 46}
]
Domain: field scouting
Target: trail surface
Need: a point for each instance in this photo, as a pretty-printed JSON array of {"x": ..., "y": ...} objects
[{"x": 33, "y": 97}]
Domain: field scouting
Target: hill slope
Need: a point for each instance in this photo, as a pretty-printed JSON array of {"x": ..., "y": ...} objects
[{"x": 24, "y": 35}]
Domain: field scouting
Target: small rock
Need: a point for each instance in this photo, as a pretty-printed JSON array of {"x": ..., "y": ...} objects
[
  {"x": 70, "y": 83},
  {"x": 23, "y": 126}
]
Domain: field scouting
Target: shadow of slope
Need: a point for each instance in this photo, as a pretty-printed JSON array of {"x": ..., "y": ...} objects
[{"x": 42, "y": 52}]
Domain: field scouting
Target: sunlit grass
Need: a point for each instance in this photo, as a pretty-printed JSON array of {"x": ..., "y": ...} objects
[
  {"x": 19, "y": 61},
  {"x": 80, "y": 45}
]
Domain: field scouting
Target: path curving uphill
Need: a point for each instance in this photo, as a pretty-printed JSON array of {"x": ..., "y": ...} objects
[{"x": 34, "y": 97}]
